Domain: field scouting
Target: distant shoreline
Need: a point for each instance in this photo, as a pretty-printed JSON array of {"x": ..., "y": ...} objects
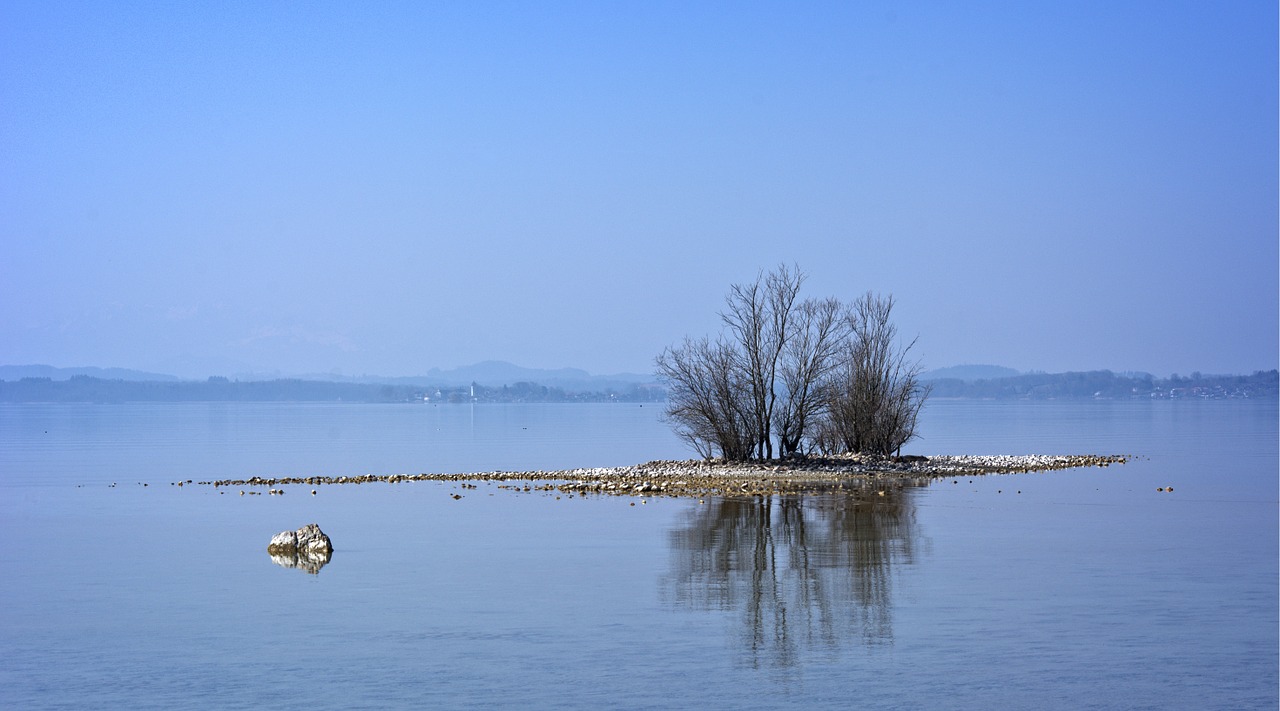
[
  {"x": 712, "y": 478},
  {"x": 1094, "y": 385}
]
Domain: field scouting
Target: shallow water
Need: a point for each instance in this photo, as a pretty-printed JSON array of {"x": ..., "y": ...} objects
[{"x": 1082, "y": 588}]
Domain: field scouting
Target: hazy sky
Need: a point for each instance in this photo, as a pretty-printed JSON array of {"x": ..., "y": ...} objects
[{"x": 384, "y": 188}]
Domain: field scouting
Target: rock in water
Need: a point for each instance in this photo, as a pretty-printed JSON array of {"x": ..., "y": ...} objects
[
  {"x": 306, "y": 548},
  {"x": 308, "y": 539}
]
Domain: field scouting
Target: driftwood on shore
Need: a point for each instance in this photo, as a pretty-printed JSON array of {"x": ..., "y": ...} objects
[{"x": 705, "y": 477}]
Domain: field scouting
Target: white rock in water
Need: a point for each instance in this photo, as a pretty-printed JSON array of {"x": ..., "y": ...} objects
[
  {"x": 309, "y": 539},
  {"x": 312, "y": 540},
  {"x": 286, "y": 540},
  {"x": 307, "y": 549}
]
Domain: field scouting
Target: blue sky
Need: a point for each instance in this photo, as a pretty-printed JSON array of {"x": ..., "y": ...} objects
[{"x": 226, "y": 187}]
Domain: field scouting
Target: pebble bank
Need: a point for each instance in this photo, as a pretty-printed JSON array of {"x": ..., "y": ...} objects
[{"x": 712, "y": 478}]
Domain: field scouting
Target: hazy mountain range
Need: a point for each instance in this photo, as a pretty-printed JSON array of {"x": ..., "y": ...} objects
[
  {"x": 970, "y": 373},
  {"x": 497, "y": 381},
  {"x": 18, "y": 372},
  {"x": 492, "y": 373}
]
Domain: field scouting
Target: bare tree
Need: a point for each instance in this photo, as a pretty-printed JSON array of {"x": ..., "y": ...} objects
[
  {"x": 876, "y": 394},
  {"x": 758, "y": 316},
  {"x": 706, "y": 399},
  {"x": 811, "y": 355},
  {"x": 812, "y": 373}
]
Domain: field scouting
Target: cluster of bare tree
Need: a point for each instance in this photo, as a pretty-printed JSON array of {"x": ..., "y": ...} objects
[{"x": 811, "y": 375}]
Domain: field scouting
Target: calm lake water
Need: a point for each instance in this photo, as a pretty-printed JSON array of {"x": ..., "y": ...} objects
[{"x": 1075, "y": 589}]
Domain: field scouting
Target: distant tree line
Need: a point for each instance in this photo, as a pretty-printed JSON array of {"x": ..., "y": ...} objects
[
  {"x": 1100, "y": 384},
  {"x": 83, "y": 388},
  {"x": 793, "y": 376},
  {"x": 1104, "y": 384}
]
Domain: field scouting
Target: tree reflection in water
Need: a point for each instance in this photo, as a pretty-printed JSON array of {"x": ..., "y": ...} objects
[{"x": 805, "y": 572}]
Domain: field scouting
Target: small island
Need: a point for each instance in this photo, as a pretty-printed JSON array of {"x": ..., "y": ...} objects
[
  {"x": 795, "y": 395},
  {"x": 852, "y": 473}
]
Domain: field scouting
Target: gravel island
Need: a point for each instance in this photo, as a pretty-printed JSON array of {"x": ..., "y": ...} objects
[{"x": 855, "y": 473}]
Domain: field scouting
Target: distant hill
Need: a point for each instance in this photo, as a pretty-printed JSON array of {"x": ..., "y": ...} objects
[
  {"x": 491, "y": 373},
  {"x": 970, "y": 373},
  {"x": 1104, "y": 384},
  {"x": 18, "y": 372},
  {"x": 496, "y": 373},
  {"x": 499, "y": 381},
  {"x": 86, "y": 388}
]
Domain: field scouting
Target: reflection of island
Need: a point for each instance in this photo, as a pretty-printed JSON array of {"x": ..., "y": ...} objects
[
  {"x": 305, "y": 560},
  {"x": 803, "y": 571}
]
